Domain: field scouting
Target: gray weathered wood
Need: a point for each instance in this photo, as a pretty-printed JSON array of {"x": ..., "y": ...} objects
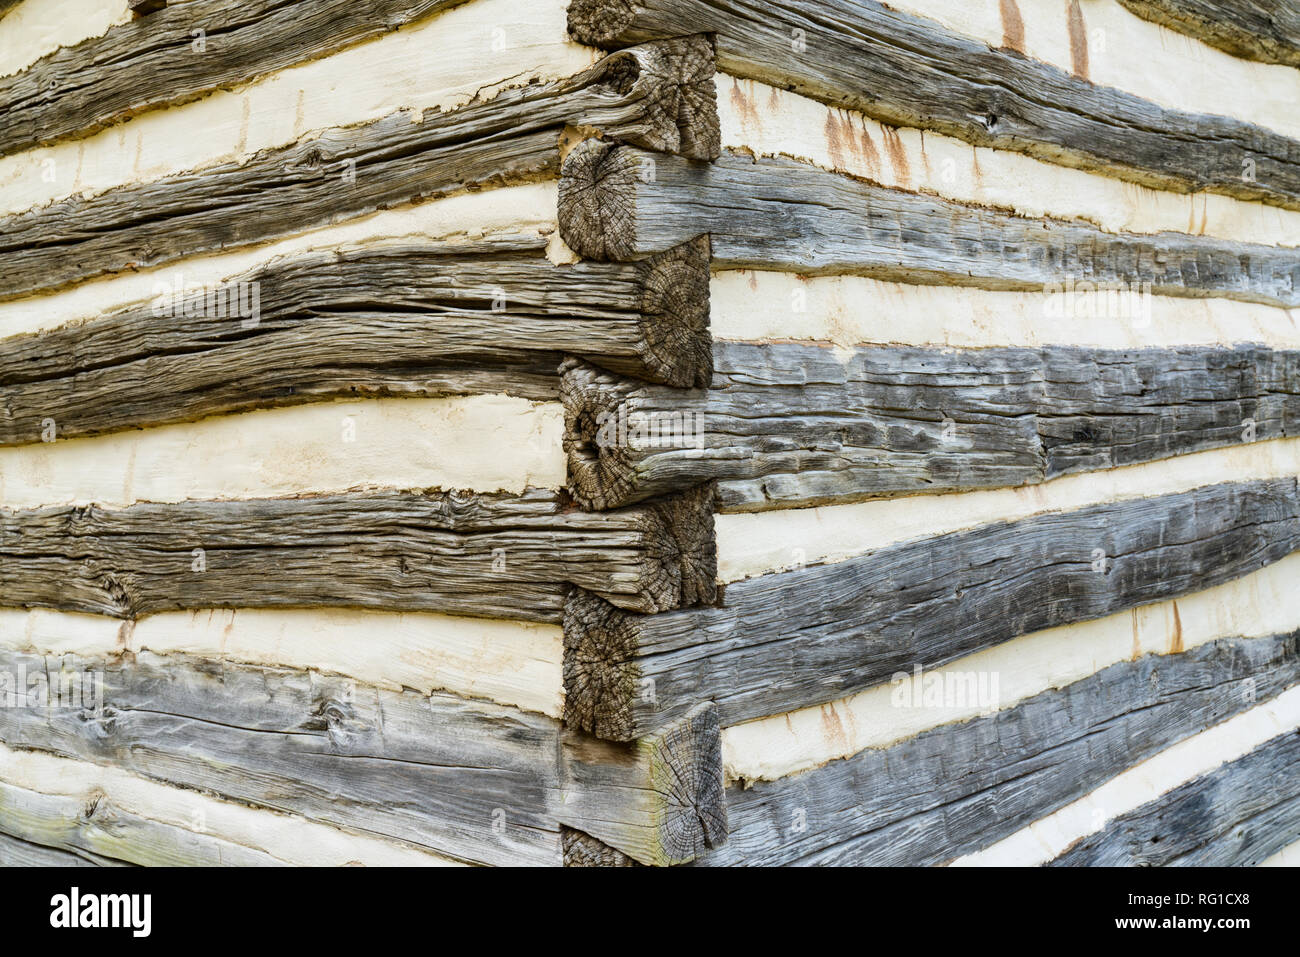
[
  {"x": 143, "y": 64},
  {"x": 961, "y": 787},
  {"x": 791, "y": 639},
  {"x": 659, "y": 96},
  {"x": 494, "y": 316},
  {"x": 498, "y": 555},
  {"x": 583, "y": 850},
  {"x": 797, "y": 425},
  {"x": 15, "y": 852},
  {"x": 475, "y": 781},
  {"x": 97, "y": 831},
  {"x": 619, "y": 202},
  {"x": 1264, "y": 30},
  {"x": 910, "y": 71},
  {"x": 1235, "y": 816}
]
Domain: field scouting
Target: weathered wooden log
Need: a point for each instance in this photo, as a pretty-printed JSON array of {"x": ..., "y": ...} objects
[
  {"x": 410, "y": 320},
  {"x": 1234, "y": 816},
  {"x": 583, "y": 850},
  {"x": 620, "y": 203},
  {"x": 793, "y": 639},
  {"x": 1263, "y": 30},
  {"x": 909, "y": 71},
  {"x": 961, "y": 787},
  {"x": 15, "y": 852},
  {"x": 82, "y": 88},
  {"x": 470, "y": 780},
  {"x": 796, "y": 425},
  {"x": 498, "y": 555},
  {"x": 96, "y": 831},
  {"x": 659, "y": 96}
]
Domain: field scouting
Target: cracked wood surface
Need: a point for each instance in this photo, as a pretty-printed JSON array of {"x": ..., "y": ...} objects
[
  {"x": 488, "y": 555},
  {"x": 909, "y": 71},
  {"x": 659, "y": 96},
  {"x": 490, "y": 316},
  {"x": 962, "y": 787},
  {"x": 1263, "y": 30},
  {"x": 474, "y": 781},
  {"x": 789, "y": 640},
  {"x": 788, "y": 425},
  {"x": 619, "y": 202}
]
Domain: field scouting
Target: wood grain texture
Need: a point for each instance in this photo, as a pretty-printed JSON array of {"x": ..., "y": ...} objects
[
  {"x": 909, "y": 71},
  {"x": 493, "y": 316},
  {"x": 102, "y": 80},
  {"x": 788, "y": 425},
  {"x": 659, "y": 96},
  {"x": 477, "y": 782},
  {"x": 1263, "y": 30},
  {"x": 793, "y": 639},
  {"x": 15, "y": 852},
  {"x": 621, "y": 203},
  {"x": 1235, "y": 816},
  {"x": 583, "y": 850},
  {"x": 961, "y": 787},
  {"x": 494, "y": 555},
  {"x": 94, "y": 830}
]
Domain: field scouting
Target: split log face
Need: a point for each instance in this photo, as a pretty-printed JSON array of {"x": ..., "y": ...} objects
[
  {"x": 907, "y": 71},
  {"x": 659, "y": 96}
]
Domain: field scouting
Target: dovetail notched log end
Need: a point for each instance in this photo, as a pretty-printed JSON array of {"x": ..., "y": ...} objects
[
  {"x": 672, "y": 83},
  {"x": 685, "y": 761},
  {"x": 602, "y": 23},
  {"x": 601, "y": 677},
  {"x": 681, "y": 567},
  {"x": 597, "y": 200},
  {"x": 676, "y": 343},
  {"x": 583, "y": 850}
]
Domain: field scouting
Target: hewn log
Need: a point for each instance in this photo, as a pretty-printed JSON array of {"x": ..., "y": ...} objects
[
  {"x": 796, "y": 425},
  {"x": 674, "y": 778},
  {"x": 500, "y": 556},
  {"x": 15, "y": 852},
  {"x": 792, "y": 639},
  {"x": 471, "y": 780},
  {"x": 583, "y": 850},
  {"x": 95, "y": 830},
  {"x": 79, "y": 89},
  {"x": 1263, "y": 30},
  {"x": 659, "y": 96},
  {"x": 961, "y": 787},
  {"x": 1234, "y": 816},
  {"x": 410, "y": 320},
  {"x": 620, "y": 203},
  {"x": 909, "y": 71}
]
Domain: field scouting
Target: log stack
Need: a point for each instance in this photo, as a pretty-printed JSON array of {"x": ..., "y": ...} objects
[{"x": 649, "y": 432}]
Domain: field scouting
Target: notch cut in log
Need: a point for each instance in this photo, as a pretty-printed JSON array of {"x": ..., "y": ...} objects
[
  {"x": 659, "y": 96},
  {"x": 583, "y": 850},
  {"x": 469, "y": 779},
  {"x": 907, "y": 70},
  {"x": 793, "y": 639},
  {"x": 1267, "y": 31},
  {"x": 799, "y": 425},
  {"x": 961, "y": 787},
  {"x": 620, "y": 203},
  {"x": 488, "y": 555},
  {"x": 492, "y": 316}
]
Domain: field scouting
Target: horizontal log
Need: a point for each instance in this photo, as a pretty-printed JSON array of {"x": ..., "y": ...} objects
[
  {"x": 497, "y": 556},
  {"x": 82, "y": 88},
  {"x": 909, "y": 71},
  {"x": 96, "y": 830},
  {"x": 620, "y": 203},
  {"x": 15, "y": 852},
  {"x": 797, "y": 425},
  {"x": 793, "y": 639},
  {"x": 1264, "y": 30},
  {"x": 1235, "y": 816},
  {"x": 476, "y": 782},
  {"x": 406, "y": 320},
  {"x": 964, "y": 786},
  {"x": 659, "y": 96}
]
